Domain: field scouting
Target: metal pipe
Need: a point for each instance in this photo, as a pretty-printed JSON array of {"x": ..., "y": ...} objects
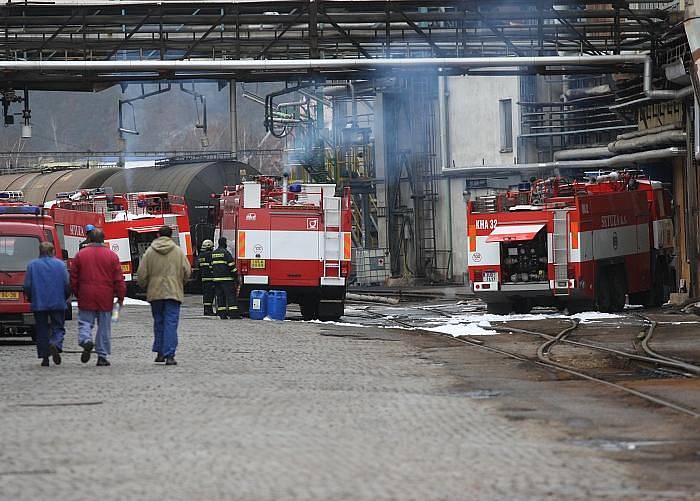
[
  {"x": 664, "y": 138},
  {"x": 302, "y": 102},
  {"x": 233, "y": 115},
  {"x": 330, "y": 64},
  {"x": 626, "y": 160},
  {"x": 444, "y": 156},
  {"x": 354, "y": 104},
  {"x": 656, "y": 95},
  {"x": 696, "y": 123},
  {"x": 583, "y": 153},
  {"x": 285, "y": 188},
  {"x": 443, "y": 117},
  {"x": 651, "y": 130}
]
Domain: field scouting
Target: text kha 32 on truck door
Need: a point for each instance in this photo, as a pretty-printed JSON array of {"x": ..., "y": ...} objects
[{"x": 572, "y": 244}]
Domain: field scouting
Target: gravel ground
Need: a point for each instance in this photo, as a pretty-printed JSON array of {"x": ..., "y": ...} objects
[{"x": 271, "y": 411}]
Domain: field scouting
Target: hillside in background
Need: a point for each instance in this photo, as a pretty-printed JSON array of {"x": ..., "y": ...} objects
[{"x": 72, "y": 121}]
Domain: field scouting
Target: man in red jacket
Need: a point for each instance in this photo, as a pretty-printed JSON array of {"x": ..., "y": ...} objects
[{"x": 96, "y": 279}]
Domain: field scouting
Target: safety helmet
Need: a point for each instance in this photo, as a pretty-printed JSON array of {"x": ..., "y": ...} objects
[
  {"x": 88, "y": 228},
  {"x": 207, "y": 244}
]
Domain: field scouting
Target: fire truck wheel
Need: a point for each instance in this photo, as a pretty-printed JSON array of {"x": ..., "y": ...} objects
[
  {"x": 331, "y": 311},
  {"x": 309, "y": 309},
  {"x": 522, "y": 306},
  {"x": 499, "y": 308},
  {"x": 659, "y": 292},
  {"x": 619, "y": 290},
  {"x": 603, "y": 293},
  {"x": 576, "y": 307}
]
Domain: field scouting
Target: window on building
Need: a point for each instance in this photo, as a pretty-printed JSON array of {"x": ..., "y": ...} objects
[{"x": 506, "y": 123}]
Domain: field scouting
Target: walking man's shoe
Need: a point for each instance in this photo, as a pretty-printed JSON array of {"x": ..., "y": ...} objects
[
  {"x": 159, "y": 359},
  {"x": 55, "y": 354},
  {"x": 45, "y": 362},
  {"x": 170, "y": 361},
  {"x": 87, "y": 351},
  {"x": 102, "y": 362}
]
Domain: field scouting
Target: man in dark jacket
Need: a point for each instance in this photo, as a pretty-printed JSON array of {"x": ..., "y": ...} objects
[
  {"x": 223, "y": 268},
  {"x": 46, "y": 284},
  {"x": 96, "y": 279},
  {"x": 205, "y": 272}
]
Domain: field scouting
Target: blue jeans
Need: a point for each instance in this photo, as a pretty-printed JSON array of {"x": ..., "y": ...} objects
[
  {"x": 166, "y": 315},
  {"x": 49, "y": 330},
  {"x": 103, "y": 339}
]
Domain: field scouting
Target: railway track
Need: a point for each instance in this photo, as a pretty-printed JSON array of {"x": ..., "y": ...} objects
[{"x": 544, "y": 355}]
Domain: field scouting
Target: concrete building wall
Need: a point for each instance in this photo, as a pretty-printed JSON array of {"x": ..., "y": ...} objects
[
  {"x": 473, "y": 110},
  {"x": 474, "y": 139}
]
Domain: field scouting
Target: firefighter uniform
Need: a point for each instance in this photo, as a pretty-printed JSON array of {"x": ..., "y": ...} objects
[
  {"x": 205, "y": 272},
  {"x": 223, "y": 268}
]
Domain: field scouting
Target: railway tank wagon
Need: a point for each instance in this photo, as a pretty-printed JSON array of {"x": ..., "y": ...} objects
[
  {"x": 43, "y": 186},
  {"x": 195, "y": 182}
]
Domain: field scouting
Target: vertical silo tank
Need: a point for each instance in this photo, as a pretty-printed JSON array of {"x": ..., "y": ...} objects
[{"x": 196, "y": 182}]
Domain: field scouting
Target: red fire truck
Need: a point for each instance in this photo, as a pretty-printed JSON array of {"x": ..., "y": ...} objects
[
  {"x": 22, "y": 228},
  {"x": 572, "y": 244},
  {"x": 130, "y": 222},
  {"x": 295, "y": 238}
]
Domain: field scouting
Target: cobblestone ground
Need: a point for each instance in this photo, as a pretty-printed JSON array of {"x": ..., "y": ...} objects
[{"x": 269, "y": 410}]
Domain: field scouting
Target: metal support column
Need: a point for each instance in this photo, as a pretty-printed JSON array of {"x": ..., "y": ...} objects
[{"x": 233, "y": 114}]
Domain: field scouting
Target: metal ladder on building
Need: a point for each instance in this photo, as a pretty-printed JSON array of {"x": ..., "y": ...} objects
[
  {"x": 560, "y": 252},
  {"x": 332, "y": 237}
]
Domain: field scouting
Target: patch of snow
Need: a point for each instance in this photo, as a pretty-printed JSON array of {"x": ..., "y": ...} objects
[
  {"x": 476, "y": 324},
  {"x": 130, "y": 301},
  {"x": 593, "y": 316},
  {"x": 472, "y": 329}
]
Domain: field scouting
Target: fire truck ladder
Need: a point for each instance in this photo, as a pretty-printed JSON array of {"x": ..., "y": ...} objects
[
  {"x": 332, "y": 237},
  {"x": 560, "y": 252}
]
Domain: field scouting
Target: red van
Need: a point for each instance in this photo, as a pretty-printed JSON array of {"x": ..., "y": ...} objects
[{"x": 22, "y": 228}]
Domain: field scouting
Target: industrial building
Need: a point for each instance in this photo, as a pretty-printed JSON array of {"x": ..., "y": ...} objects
[{"x": 416, "y": 108}]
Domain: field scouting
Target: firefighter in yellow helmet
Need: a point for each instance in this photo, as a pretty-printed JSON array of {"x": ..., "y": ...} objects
[
  {"x": 205, "y": 272},
  {"x": 224, "y": 277}
]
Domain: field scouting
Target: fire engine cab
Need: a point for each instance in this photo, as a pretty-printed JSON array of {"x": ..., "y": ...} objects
[
  {"x": 130, "y": 222},
  {"x": 573, "y": 244},
  {"x": 295, "y": 238},
  {"x": 22, "y": 228}
]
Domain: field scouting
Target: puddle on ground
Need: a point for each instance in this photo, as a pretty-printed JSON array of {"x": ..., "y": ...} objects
[
  {"x": 620, "y": 445},
  {"x": 480, "y": 394}
]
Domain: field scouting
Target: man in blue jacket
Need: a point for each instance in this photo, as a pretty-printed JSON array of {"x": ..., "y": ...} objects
[{"x": 47, "y": 286}]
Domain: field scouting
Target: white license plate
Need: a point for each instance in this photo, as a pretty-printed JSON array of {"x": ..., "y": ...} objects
[{"x": 490, "y": 276}]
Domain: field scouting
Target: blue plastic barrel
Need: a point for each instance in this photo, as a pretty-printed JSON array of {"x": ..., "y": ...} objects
[
  {"x": 277, "y": 305},
  {"x": 258, "y": 305}
]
